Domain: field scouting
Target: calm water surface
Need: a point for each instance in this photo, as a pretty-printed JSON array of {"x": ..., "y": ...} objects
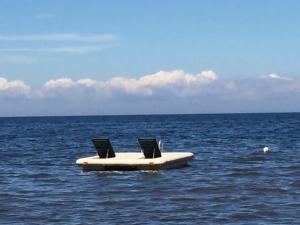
[{"x": 229, "y": 181}]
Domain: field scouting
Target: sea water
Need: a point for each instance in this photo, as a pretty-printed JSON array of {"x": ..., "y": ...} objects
[{"x": 229, "y": 181}]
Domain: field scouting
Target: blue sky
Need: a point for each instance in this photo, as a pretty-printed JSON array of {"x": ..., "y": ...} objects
[{"x": 241, "y": 42}]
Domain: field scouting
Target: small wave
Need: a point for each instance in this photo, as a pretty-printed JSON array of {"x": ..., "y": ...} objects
[
  {"x": 204, "y": 189},
  {"x": 4, "y": 210},
  {"x": 250, "y": 159},
  {"x": 269, "y": 190},
  {"x": 243, "y": 172},
  {"x": 54, "y": 180},
  {"x": 296, "y": 184},
  {"x": 244, "y": 216},
  {"x": 34, "y": 175}
]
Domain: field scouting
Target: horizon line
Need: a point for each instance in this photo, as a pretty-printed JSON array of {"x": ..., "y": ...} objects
[{"x": 151, "y": 114}]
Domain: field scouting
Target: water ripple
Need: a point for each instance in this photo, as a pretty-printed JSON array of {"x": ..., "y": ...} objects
[{"x": 229, "y": 181}]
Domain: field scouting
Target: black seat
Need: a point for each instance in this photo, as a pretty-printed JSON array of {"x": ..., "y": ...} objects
[
  {"x": 103, "y": 147},
  {"x": 149, "y": 148}
]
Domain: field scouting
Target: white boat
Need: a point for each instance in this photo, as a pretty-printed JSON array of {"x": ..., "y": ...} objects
[{"x": 151, "y": 158}]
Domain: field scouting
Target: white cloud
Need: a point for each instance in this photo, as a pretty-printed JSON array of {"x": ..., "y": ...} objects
[
  {"x": 56, "y": 43},
  {"x": 177, "y": 82},
  {"x": 14, "y": 87},
  {"x": 91, "y": 38},
  {"x": 274, "y": 76},
  {"x": 87, "y": 82},
  {"x": 59, "y": 83},
  {"x": 66, "y": 87},
  {"x": 67, "y": 83},
  {"x": 63, "y": 49}
]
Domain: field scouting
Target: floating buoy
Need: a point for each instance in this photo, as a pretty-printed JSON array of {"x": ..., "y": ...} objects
[{"x": 266, "y": 150}]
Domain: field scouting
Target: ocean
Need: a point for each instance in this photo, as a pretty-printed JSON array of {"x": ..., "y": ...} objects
[{"x": 229, "y": 181}]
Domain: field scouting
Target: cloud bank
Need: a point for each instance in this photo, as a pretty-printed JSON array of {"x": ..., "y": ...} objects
[{"x": 162, "y": 92}]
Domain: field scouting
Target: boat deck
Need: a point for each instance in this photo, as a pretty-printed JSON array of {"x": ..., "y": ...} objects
[{"x": 135, "y": 161}]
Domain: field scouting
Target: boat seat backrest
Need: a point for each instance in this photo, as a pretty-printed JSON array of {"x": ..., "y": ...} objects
[
  {"x": 103, "y": 147},
  {"x": 149, "y": 147}
]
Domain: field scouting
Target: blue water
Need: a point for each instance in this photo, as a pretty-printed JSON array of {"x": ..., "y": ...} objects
[{"x": 229, "y": 181}]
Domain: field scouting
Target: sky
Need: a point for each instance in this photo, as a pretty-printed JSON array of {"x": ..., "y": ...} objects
[{"x": 148, "y": 57}]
